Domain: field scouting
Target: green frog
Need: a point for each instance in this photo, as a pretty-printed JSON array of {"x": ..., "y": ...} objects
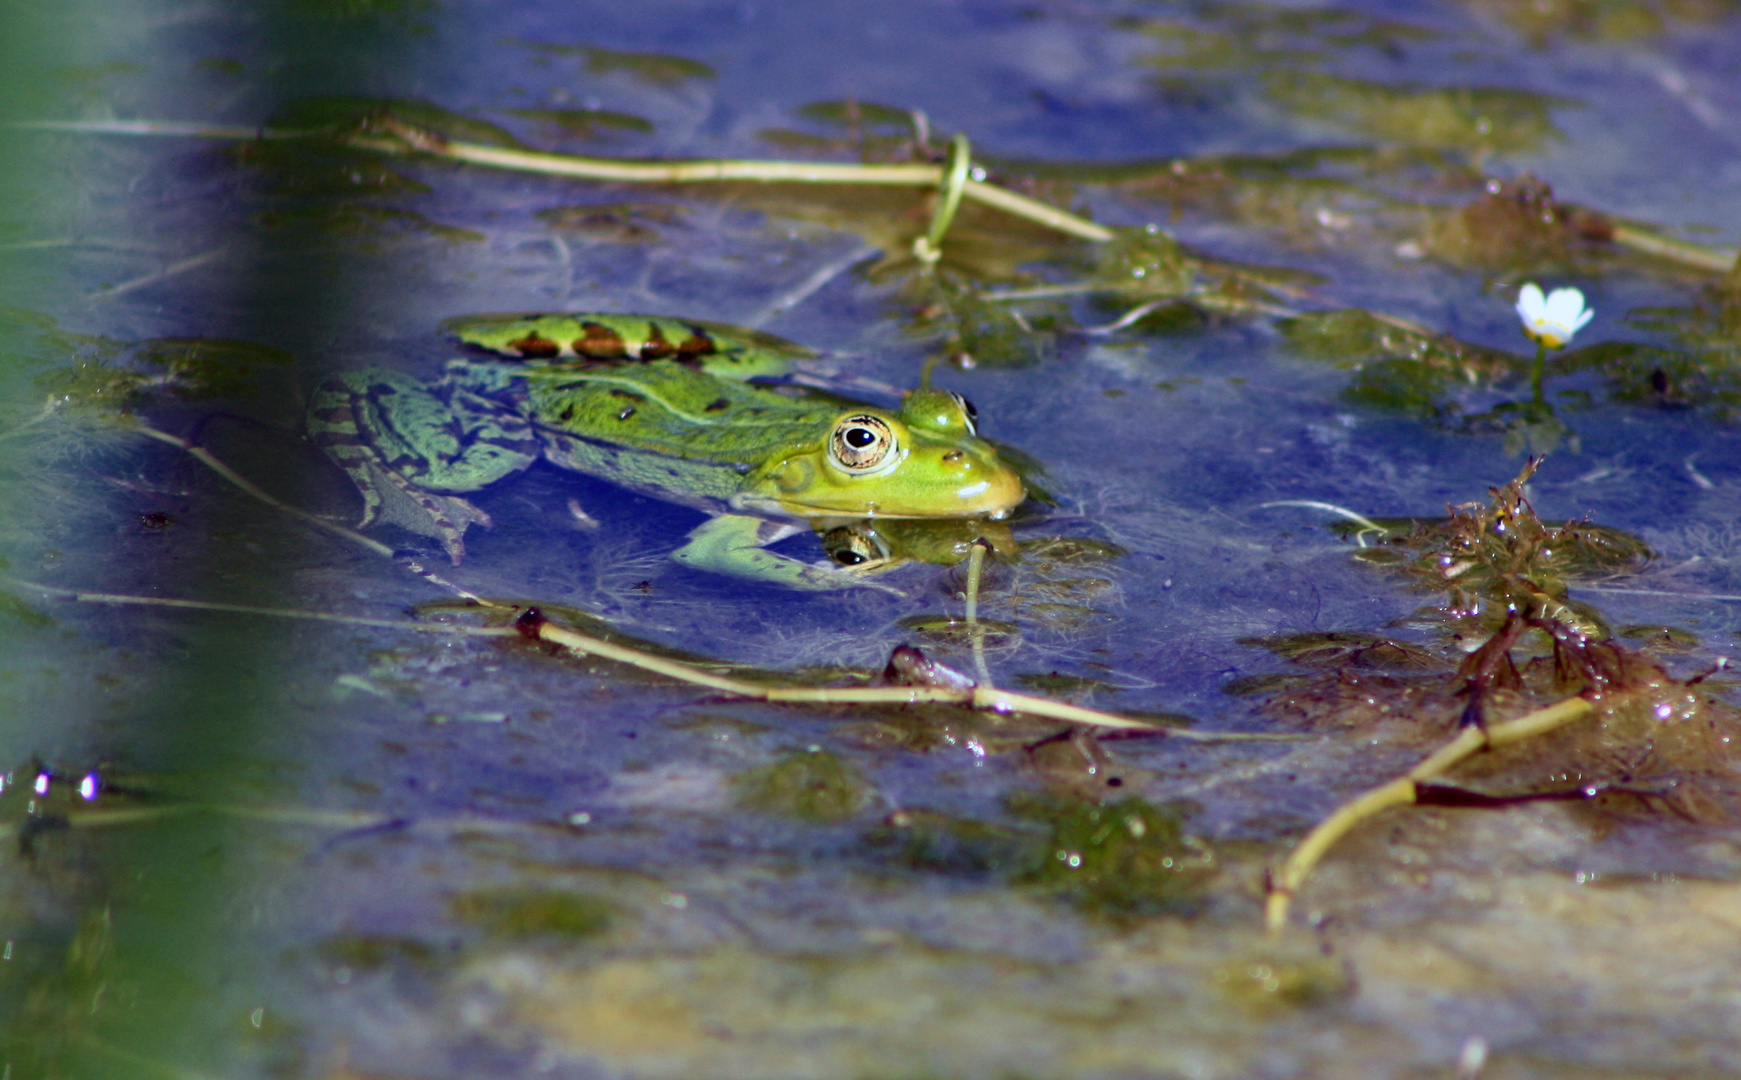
[{"x": 713, "y": 417}]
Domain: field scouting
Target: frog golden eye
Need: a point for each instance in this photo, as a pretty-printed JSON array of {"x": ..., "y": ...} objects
[
  {"x": 852, "y": 547},
  {"x": 861, "y": 444}
]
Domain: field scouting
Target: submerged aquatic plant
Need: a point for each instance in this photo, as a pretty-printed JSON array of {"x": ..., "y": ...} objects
[
  {"x": 1545, "y": 702},
  {"x": 1123, "y": 860}
]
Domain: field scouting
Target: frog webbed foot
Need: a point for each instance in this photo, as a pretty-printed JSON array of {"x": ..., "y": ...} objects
[
  {"x": 398, "y": 439},
  {"x": 391, "y": 498},
  {"x": 736, "y": 544}
]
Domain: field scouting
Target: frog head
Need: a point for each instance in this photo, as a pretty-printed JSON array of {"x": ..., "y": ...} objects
[{"x": 925, "y": 461}]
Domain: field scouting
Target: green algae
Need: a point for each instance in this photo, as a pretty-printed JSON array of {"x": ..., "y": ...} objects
[
  {"x": 1122, "y": 860},
  {"x": 939, "y": 843},
  {"x": 521, "y": 913},
  {"x": 1517, "y": 228},
  {"x": 585, "y": 123},
  {"x": 1540, "y": 22},
  {"x": 1397, "y": 365},
  {"x": 338, "y": 115},
  {"x": 1475, "y": 120},
  {"x": 376, "y": 952},
  {"x": 812, "y": 785}
]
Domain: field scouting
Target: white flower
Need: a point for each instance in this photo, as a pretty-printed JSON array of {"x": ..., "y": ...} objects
[{"x": 1552, "y": 321}]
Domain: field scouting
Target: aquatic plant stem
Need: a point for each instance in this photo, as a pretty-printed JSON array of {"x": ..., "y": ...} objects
[
  {"x": 206, "y": 458},
  {"x": 83, "y": 596},
  {"x": 724, "y": 169},
  {"x": 928, "y": 249},
  {"x": 1286, "y": 880},
  {"x": 404, "y": 138},
  {"x": 1693, "y": 256},
  {"x": 975, "y": 630},
  {"x": 987, "y": 698},
  {"x": 1367, "y": 525},
  {"x": 1535, "y": 373}
]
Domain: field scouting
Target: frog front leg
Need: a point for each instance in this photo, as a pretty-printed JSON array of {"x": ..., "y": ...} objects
[
  {"x": 413, "y": 449},
  {"x": 736, "y": 544}
]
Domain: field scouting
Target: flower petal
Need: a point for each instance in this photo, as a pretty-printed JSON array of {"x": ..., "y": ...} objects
[
  {"x": 1565, "y": 305},
  {"x": 1530, "y": 305}
]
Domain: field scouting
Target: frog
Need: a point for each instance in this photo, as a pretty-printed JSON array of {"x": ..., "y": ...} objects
[{"x": 725, "y": 420}]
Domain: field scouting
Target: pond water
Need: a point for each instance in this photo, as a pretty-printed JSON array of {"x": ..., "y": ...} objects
[{"x": 307, "y": 824}]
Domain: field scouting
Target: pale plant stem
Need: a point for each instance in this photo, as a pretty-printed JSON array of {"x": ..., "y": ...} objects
[
  {"x": 809, "y": 287},
  {"x": 975, "y": 630},
  {"x": 1128, "y": 317},
  {"x": 210, "y": 461},
  {"x": 986, "y": 698},
  {"x": 633, "y": 172},
  {"x": 1286, "y": 881},
  {"x": 1366, "y": 524},
  {"x": 726, "y": 170},
  {"x": 100, "y": 817},
  {"x": 1696, "y": 256},
  {"x": 205, "y": 457},
  {"x": 48, "y": 409},
  {"x": 254, "y": 609},
  {"x": 182, "y": 266},
  {"x": 978, "y": 697},
  {"x": 1042, "y": 292}
]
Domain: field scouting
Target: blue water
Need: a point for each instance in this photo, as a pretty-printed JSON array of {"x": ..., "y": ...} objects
[{"x": 750, "y": 944}]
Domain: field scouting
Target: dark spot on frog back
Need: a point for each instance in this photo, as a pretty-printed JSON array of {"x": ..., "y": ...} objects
[
  {"x": 600, "y": 342},
  {"x": 627, "y": 410},
  {"x": 535, "y": 347},
  {"x": 655, "y": 347},
  {"x": 718, "y": 405},
  {"x": 696, "y": 345}
]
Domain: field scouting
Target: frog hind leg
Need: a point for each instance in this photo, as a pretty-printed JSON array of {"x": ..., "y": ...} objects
[
  {"x": 736, "y": 544},
  {"x": 476, "y": 443},
  {"x": 391, "y": 498}
]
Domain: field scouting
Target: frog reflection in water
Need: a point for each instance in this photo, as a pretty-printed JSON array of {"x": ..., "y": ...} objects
[{"x": 693, "y": 413}]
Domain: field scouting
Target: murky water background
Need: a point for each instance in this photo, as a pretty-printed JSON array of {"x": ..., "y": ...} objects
[{"x": 338, "y": 850}]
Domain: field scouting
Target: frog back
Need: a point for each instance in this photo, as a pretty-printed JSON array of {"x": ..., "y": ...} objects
[
  {"x": 658, "y": 405},
  {"x": 724, "y": 352},
  {"x": 672, "y": 430}
]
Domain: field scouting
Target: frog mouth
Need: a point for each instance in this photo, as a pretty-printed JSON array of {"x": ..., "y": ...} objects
[{"x": 992, "y": 498}]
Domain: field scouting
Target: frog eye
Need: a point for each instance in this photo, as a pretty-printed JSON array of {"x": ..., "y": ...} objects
[
  {"x": 854, "y": 547},
  {"x": 968, "y": 412},
  {"x": 862, "y": 444}
]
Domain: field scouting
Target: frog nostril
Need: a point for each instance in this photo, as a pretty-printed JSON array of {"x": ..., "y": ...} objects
[{"x": 954, "y": 455}]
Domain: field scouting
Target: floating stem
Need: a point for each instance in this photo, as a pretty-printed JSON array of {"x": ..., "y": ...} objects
[
  {"x": 1287, "y": 880},
  {"x": 929, "y": 248},
  {"x": 975, "y": 629}
]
